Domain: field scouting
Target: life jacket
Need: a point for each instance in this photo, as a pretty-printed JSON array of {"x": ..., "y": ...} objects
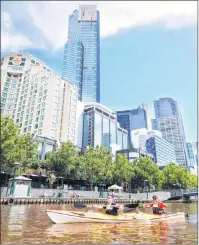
[{"x": 159, "y": 205}]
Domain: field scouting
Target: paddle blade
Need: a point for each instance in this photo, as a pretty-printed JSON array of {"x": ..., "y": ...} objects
[
  {"x": 131, "y": 205},
  {"x": 79, "y": 205}
]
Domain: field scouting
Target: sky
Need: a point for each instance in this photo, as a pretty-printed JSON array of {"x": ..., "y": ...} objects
[{"x": 148, "y": 49}]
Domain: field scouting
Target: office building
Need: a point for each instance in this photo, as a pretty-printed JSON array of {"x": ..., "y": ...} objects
[
  {"x": 192, "y": 153},
  {"x": 163, "y": 152},
  {"x": 148, "y": 115},
  {"x": 133, "y": 154},
  {"x": 140, "y": 136},
  {"x": 169, "y": 123},
  {"x": 81, "y": 65},
  {"x": 132, "y": 120},
  {"x": 100, "y": 127},
  {"x": 195, "y": 151},
  {"x": 39, "y": 101}
]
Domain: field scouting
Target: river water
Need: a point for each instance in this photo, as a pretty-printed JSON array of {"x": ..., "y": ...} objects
[{"x": 30, "y": 224}]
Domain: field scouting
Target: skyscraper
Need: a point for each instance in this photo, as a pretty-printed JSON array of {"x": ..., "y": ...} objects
[
  {"x": 81, "y": 65},
  {"x": 169, "y": 123},
  {"x": 132, "y": 120},
  {"x": 192, "y": 153}
]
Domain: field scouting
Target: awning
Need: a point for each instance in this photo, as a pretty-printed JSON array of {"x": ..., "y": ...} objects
[{"x": 115, "y": 187}]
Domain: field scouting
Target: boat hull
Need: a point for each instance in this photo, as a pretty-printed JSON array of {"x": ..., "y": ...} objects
[{"x": 66, "y": 217}]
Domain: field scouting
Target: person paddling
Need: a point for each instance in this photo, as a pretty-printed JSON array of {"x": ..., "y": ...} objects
[
  {"x": 112, "y": 207},
  {"x": 156, "y": 205}
]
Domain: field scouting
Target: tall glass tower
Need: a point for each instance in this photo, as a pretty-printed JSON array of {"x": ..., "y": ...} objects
[
  {"x": 168, "y": 120},
  {"x": 81, "y": 65},
  {"x": 132, "y": 120}
]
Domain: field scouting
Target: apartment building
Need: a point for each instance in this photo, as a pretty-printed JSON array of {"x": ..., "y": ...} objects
[{"x": 39, "y": 101}]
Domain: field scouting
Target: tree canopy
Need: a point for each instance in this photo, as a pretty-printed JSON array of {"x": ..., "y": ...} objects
[
  {"x": 63, "y": 161},
  {"x": 15, "y": 147},
  {"x": 178, "y": 177},
  {"x": 94, "y": 165}
]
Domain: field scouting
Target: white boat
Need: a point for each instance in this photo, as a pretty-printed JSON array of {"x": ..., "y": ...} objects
[{"x": 64, "y": 217}]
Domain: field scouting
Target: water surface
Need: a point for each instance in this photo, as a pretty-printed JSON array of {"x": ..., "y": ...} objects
[{"x": 30, "y": 224}]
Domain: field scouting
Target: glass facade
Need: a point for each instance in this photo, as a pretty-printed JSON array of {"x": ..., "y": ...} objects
[
  {"x": 106, "y": 132},
  {"x": 98, "y": 131},
  {"x": 169, "y": 123},
  {"x": 192, "y": 157},
  {"x": 101, "y": 128},
  {"x": 81, "y": 65},
  {"x": 132, "y": 120},
  {"x": 195, "y": 150},
  {"x": 163, "y": 152}
]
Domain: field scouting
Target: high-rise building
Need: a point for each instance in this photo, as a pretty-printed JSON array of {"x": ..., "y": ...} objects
[
  {"x": 132, "y": 120},
  {"x": 100, "y": 127},
  {"x": 39, "y": 102},
  {"x": 195, "y": 150},
  {"x": 148, "y": 114},
  {"x": 81, "y": 65},
  {"x": 140, "y": 136},
  {"x": 163, "y": 151},
  {"x": 169, "y": 123},
  {"x": 192, "y": 153}
]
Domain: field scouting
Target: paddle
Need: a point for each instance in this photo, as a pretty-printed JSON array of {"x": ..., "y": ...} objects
[{"x": 80, "y": 205}]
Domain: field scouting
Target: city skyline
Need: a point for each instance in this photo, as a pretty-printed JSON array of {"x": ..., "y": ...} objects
[{"x": 169, "y": 43}]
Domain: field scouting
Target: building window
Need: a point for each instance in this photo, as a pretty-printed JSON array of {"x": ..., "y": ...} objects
[
  {"x": 52, "y": 133},
  {"x": 54, "y": 125}
]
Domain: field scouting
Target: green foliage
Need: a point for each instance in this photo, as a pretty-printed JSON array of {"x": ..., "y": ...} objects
[
  {"x": 96, "y": 165},
  {"x": 51, "y": 179},
  {"x": 63, "y": 161},
  {"x": 178, "y": 177},
  {"x": 145, "y": 169},
  {"x": 122, "y": 171},
  {"x": 15, "y": 147}
]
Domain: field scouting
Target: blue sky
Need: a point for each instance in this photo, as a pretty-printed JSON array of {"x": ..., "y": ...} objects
[{"x": 156, "y": 57}]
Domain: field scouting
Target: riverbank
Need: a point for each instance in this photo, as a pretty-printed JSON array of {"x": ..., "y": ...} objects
[{"x": 12, "y": 200}]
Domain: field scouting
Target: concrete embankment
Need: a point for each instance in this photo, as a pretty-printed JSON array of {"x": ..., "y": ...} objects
[{"x": 11, "y": 200}]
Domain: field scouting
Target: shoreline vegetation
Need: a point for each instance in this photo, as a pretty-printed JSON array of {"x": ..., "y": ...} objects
[{"x": 94, "y": 165}]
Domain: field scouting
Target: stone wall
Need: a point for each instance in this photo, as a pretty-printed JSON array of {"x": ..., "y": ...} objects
[{"x": 162, "y": 195}]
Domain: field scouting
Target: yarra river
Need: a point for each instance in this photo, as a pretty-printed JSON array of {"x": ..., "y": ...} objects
[{"x": 30, "y": 224}]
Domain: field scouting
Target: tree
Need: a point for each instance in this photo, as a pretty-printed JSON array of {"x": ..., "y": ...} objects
[
  {"x": 177, "y": 177},
  {"x": 51, "y": 179},
  {"x": 15, "y": 147},
  {"x": 96, "y": 165},
  {"x": 63, "y": 161},
  {"x": 193, "y": 181},
  {"x": 122, "y": 169},
  {"x": 145, "y": 169}
]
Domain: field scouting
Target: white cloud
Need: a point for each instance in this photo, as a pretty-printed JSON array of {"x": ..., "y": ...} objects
[
  {"x": 9, "y": 40},
  {"x": 51, "y": 18}
]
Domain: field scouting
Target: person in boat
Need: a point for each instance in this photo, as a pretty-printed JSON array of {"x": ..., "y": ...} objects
[
  {"x": 112, "y": 207},
  {"x": 156, "y": 205}
]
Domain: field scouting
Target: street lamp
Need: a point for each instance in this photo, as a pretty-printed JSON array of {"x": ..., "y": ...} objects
[
  {"x": 146, "y": 181},
  {"x": 16, "y": 164},
  {"x": 62, "y": 183}
]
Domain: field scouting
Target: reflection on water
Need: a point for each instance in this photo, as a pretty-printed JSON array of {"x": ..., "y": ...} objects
[{"x": 30, "y": 224}]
